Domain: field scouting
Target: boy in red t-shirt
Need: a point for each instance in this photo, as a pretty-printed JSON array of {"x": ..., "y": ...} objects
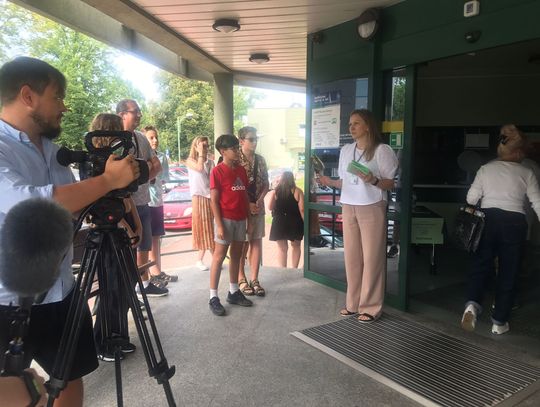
[{"x": 230, "y": 203}]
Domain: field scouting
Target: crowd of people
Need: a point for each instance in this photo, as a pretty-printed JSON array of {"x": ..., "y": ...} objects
[{"x": 228, "y": 201}]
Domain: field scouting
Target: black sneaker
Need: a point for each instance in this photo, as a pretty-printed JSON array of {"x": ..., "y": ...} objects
[
  {"x": 216, "y": 307},
  {"x": 128, "y": 347},
  {"x": 239, "y": 299},
  {"x": 154, "y": 291},
  {"x": 158, "y": 282},
  {"x": 108, "y": 356},
  {"x": 392, "y": 252},
  {"x": 167, "y": 277}
]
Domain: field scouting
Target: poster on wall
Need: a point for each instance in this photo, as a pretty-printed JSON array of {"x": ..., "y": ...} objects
[{"x": 325, "y": 126}]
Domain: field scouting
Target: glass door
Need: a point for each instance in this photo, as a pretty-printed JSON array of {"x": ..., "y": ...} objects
[{"x": 397, "y": 132}]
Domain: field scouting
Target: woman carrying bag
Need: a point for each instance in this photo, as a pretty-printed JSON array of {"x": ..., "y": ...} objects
[{"x": 502, "y": 186}]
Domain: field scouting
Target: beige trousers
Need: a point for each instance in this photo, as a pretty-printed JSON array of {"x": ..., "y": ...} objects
[{"x": 364, "y": 237}]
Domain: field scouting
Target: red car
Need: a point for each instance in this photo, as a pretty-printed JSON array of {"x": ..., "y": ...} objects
[
  {"x": 177, "y": 208},
  {"x": 325, "y": 218}
]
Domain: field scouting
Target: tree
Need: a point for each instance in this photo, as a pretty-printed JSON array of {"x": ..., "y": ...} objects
[
  {"x": 181, "y": 96},
  {"x": 94, "y": 85},
  {"x": 244, "y": 98}
]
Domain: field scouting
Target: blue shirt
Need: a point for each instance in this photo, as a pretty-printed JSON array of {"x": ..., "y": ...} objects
[
  {"x": 156, "y": 188},
  {"x": 27, "y": 173}
]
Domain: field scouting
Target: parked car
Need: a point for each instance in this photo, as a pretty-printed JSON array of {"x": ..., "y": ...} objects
[
  {"x": 178, "y": 175},
  {"x": 325, "y": 195},
  {"x": 177, "y": 208}
]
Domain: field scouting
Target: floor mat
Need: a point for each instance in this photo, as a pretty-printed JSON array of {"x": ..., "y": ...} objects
[{"x": 430, "y": 367}]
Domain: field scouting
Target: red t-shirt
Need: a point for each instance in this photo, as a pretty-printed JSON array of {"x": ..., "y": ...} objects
[{"x": 231, "y": 184}]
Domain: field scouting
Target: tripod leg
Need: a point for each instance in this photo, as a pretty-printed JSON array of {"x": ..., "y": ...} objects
[
  {"x": 81, "y": 291},
  {"x": 129, "y": 278}
]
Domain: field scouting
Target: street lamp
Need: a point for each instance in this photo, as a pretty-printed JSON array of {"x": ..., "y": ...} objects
[{"x": 179, "y": 121}]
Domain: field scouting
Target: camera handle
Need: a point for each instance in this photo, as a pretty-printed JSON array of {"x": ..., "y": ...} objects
[{"x": 111, "y": 241}]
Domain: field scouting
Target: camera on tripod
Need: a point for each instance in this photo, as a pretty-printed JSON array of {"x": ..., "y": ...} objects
[{"x": 100, "y": 145}]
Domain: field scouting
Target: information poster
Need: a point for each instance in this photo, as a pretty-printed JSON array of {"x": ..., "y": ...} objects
[{"x": 325, "y": 127}]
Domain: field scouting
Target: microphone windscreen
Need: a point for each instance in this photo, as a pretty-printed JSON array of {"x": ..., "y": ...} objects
[
  {"x": 34, "y": 239},
  {"x": 65, "y": 156}
]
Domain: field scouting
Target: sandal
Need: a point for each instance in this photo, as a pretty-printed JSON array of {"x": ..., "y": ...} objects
[
  {"x": 366, "y": 318},
  {"x": 344, "y": 312},
  {"x": 257, "y": 289},
  {"x": 245, "y": 287}
]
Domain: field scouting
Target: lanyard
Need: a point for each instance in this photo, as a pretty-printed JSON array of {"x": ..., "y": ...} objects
[{"x": 354, "y": 155}]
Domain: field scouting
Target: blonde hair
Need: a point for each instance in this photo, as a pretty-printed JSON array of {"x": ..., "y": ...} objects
[
  {"x": 374, "y": 137},
  {"x": 105, "y": 121},
  {"x": 193, "y": 153}
]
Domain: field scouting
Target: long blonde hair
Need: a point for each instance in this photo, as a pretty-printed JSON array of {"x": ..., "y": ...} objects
[
  {"x": 193, "y": 153},
  {"x": 374, "y": 137}
]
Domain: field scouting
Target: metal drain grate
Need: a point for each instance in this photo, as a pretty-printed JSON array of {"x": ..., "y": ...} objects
[{"x": 441, "y": 370}]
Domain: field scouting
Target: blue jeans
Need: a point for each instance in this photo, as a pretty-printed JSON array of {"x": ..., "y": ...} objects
[{"x": 503, "y": 237}]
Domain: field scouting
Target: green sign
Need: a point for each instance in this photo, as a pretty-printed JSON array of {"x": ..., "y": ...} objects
[
  {"x": 396, "y": 140},
  {"x": 427, "y": 230}
]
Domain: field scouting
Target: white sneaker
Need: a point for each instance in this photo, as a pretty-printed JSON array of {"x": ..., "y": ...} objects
[
  {"x": 468, "y": 321},
  {"x": 500, "y": 329},
  {"x": 201, "y": 266}
]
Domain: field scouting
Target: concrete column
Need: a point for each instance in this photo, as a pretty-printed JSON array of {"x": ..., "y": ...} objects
[{"x": 223, "y": 104}]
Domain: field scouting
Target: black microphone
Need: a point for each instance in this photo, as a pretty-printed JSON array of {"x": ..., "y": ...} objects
[
  {"x": 34, "y": 239},
  {"x": 65, "y": 156}
]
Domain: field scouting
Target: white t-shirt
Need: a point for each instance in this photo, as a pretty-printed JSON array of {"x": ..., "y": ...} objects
[
  {"x": 354, "y": 191},
  {"x": 504, "y": 185},
  {"x": 199, "y": 181}
]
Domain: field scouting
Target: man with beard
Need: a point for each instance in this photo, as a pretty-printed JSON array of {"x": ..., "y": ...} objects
[{"x": 32, "y": 105}]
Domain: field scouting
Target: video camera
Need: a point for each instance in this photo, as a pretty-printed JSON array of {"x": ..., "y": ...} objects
[{"x": 100, "y": 145}]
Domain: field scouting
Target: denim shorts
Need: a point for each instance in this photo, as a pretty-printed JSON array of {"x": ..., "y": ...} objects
[{"x": 146, "y": 221}]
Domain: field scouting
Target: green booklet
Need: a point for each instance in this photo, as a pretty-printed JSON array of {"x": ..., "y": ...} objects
[{"x": 355, "y": 166}]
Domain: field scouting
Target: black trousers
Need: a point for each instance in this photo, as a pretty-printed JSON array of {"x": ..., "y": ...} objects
[{"x": 503, "y": 238}]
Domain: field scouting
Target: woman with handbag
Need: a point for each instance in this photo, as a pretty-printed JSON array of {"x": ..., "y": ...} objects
[
  {"x": 366, "y": 172},
  {"x": 502, "y": 186}
]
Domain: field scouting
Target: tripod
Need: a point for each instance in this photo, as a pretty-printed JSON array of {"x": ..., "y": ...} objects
[{"x": 107, "y": 245}]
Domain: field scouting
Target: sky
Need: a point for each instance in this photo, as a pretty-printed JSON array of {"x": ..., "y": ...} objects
[{"x": 140, "y": 73}]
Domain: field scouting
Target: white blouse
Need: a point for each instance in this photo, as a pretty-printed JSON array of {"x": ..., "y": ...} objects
[
  {"x": 354, "y": 191},
  {"x": 199, "y": 181}
]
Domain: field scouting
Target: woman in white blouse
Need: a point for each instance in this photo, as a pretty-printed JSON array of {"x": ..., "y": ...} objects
[
  {"x": 363, "y": 200},
  {"x": 501, "y": 185},
  {"x": 199, "y": 167}
]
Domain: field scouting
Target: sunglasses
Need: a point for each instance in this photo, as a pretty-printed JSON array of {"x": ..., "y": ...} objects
[{"x": 252, "y": 139}]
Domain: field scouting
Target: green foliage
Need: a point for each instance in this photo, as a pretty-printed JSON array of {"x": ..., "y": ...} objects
[
  {"x": 180, "y": 97},
  {"x": 94, "y": 85},
  {"x": 398, "y": 98},
  {"x": 244, "y": 98}
]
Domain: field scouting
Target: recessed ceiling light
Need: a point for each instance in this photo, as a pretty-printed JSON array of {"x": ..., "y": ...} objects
[
  {"x": 226, "y": 25},
  {"x": 259, "y": 58}
]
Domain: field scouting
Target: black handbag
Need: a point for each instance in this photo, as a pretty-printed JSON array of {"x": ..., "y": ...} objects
[{"x": 468, "y": 228}]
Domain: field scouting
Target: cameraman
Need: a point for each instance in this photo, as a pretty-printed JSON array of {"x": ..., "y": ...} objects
[{"x": 32, "y": 105}]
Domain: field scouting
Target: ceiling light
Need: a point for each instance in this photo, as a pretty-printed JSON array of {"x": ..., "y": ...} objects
[
  {"x": 368, "y": 23},
  {"x": 259, "y": 58},
  {"x": 226, "y": 25}
]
